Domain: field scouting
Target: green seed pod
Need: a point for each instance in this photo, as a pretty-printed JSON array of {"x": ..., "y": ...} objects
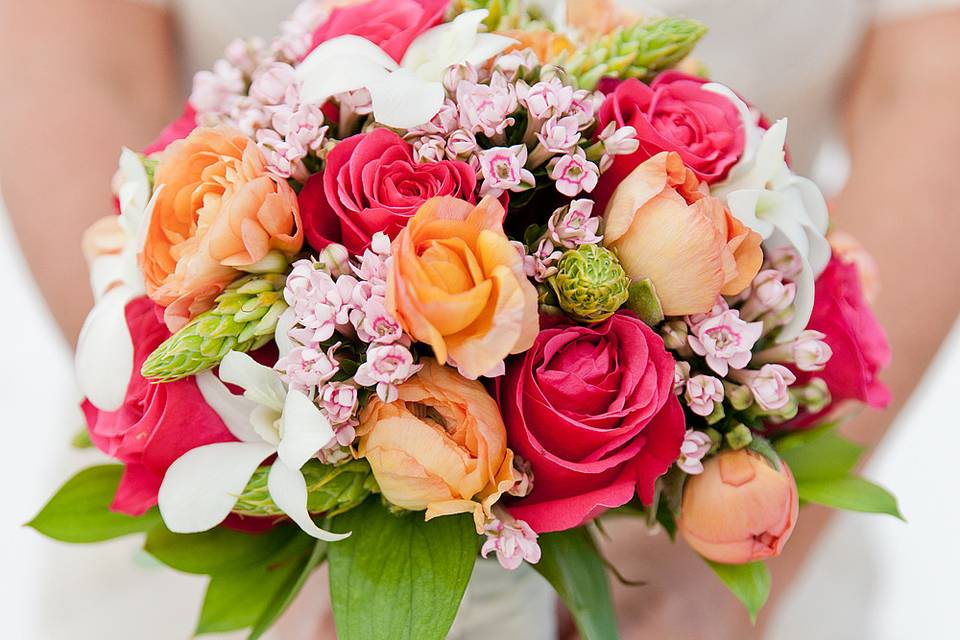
[{"x": 590, "y": 284}]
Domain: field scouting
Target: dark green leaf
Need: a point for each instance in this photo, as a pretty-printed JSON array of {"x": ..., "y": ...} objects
[
  {"x": 572, "y": 564},
  {"x": 823, "y": 457},
  {"x": 851, "y": 494},
  {"x": 80, "y": 510},
  {"x": 761, "y": 445},
  {"x": 750, "y": 583},
  {"x": 288, "y": 591},
  {"x": 398, "y": 577},
  {"x": 238, "y": 599},
  {"x": 219, "y": 550}
]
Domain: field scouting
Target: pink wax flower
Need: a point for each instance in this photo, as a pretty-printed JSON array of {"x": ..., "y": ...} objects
[
  {"x": 619, "y": 141},
  {"x": 357, "y": 101},
  {"x": 429, "y": 149},
  {"x": 725, "y": 341},
  {"x": 374, "y": 262},
  {"x": 768, "y": 293},
  {"x": 703, "y": 392},
  {"x": 339, "y": 401},
  {"x": 513, "y": 541},
  {"x": 574, "y": 225},
  {"x": 542, "y": 263},
  {"x": 386, "y": 367},
  {"x": 316, "y": 301},
  {"x": 246, "y": 54},
  {"x": 300, "y": 124},
  {"x": 502, "y": 170},
  {"x": 523, "y": 471},
  {"x": 573, "y": 173},
  {"x": 334, "y": 259},
  {"x": 786, "y": 260},
  {"x": 584, "y": 106},
  {"x": 545, "y": 99},
  {"x": 305, "y": 368},
  {"x": 681, "y": 373},
  {"x": 271, "y": 83},
  {"x": 559, "y": 135},
  {"x": 486, "y": 107},
  {"x": 720, "y": 306},
  {"x": 283, "y": 158},
  {"x": 459, "y": 73},
  {"x": 511, "y": 63},
  {"x": 696, "y": 444},
  {"x": 377, "y": 325},
  {"x": 460, "y": 144},
  {"x": 214, "y": 90},
  {"x": 770, "y": 385}
]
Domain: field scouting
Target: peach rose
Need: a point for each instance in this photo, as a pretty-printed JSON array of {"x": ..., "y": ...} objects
[
  {"x": 740, "y": 509},
  {"x": 665, "y": 226},
  {"x": 217, "y": 211},
  {"x": 441, "y": 446},
  {"x": 457, "y": 284}
]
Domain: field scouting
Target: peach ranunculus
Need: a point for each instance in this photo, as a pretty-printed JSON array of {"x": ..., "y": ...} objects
[
  {"x": 457, "y": 284},
  {"x": 547, "y": 45},
  {"x": 441, "y": 446},
  {"x": 218, "y": 211},
  {"x": 595, "y": 18},
  {"x": 740, "y": 509},
  {"x": 665, "y": 226}
]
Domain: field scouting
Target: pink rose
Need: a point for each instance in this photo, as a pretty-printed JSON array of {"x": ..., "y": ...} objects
[
  {"x": 176, "y": 130},
  {"x": 858, "y": 342},
  {"x": 157, "y": 422},
  {"x": 592, "y": 410},
  {"x": 372, "y": 183},
  {"x": 674, "y": 113},
  {"x": 390, "y": 24}
]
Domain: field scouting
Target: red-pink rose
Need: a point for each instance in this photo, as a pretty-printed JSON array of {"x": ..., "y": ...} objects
[
  {"x": 674, "y": 113},
  {"x": 371, "y": 183},
  {"x": 390, "y": 24},
  {"x": 593, "y": 411},
  {"x": 859, "y": 343},
  {"x": 157, "y": 422},
  {"x": 176, "y": 130}
]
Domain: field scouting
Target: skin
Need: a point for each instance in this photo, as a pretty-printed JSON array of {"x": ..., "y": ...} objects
[{"x": 901, "y": 125}]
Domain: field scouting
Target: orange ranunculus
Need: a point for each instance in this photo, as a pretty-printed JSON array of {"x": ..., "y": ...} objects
[
  {"x": 441, "y": 446},
  {"x": 595, "y": 18},
  {"x": 664, "y": 226},
  {"x": 217, "y": 211},
  {"x": 740, "y": 509},
  {"x": 457, "y": 284},
  {"x": 547, "y": 45}
]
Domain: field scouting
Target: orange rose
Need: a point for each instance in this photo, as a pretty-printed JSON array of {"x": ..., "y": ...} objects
[
  {"x": 665, "y": 226},
  {"x": 740, "y": 509},
  {"x": 457, "y": 284},
  {"x": 217, "y": 211},
  {"x": 441, "y": 446}
]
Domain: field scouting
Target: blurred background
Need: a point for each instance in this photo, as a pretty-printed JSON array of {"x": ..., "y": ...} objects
[{"x": 872, "y": 89}]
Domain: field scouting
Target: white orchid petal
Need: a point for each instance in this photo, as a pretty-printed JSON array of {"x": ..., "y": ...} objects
[
  {"x": 305, "y": 430},
  {"x": 105, "y": 272},
  {"x": 288, "y": 490},
  {"x": 341, "y": 64},
  {"x": 234, "y": 410},
  {"x": 201, "y": 486},
  {"x": 445, "y": 44},
  {"x": 743, "y": 205},
  {"x": 286, "y": 322},
  {"x": 403, "y": 100},
  {"x": 104, "y": 358},
  {"x": 261, "y": 384},
  {"x": 802, "y": 304},
  {"x": 486, "y": 46},
  {"x": 134, "y": 191}
]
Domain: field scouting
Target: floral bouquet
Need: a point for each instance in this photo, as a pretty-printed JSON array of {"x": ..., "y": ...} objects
[{"x": 420, "y": 281}]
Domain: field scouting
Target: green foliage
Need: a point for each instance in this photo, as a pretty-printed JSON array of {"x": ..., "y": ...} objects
[
  {"x": 573, "y": 565},
  {"x": 750, "y": 583},
  {"x": 217, "y": 551},
  {"x": 244, "y": 318},
  {"x": 851, "y": 494},
  {"x": 80, "y": 511},
  {"x": 504, "y": 15},
  {"x": 398, "y": 577},
  {"x": 590, "y": 284},
  {"x": 644, "y": 302}
]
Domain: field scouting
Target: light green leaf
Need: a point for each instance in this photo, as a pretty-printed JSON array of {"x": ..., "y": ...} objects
[
  {"x": 851, "y": 494},
  {"x": 750, "y": 583},
  {"x": 288, "y": 591},
  {"x": 238, "y": 599},
  {"x": 80, "y": 510},
  {"x": 571, "y": 563},
  {"x": 823, "y": 457},
  {"x": 219, "y": 550},
  {"x": 398, "y": 577}
]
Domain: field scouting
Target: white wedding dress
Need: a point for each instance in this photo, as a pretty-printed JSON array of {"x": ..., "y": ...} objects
[{"x": 788, "y": 58}]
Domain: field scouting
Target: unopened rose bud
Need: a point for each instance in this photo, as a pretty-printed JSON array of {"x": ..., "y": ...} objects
[{"x": 740, "y": 509}]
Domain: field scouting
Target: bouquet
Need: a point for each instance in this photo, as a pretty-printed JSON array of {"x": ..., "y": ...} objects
[{"x": 425, "y": 280}]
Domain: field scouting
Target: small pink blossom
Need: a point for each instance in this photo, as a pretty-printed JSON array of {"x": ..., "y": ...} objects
[
  {"x": 523, "y": 472},
  {"x": 585, "y": 105},
  {"x": 487, "y": 107},
  {"x": 681, "y": 373},
  {"x": 770, "y": 385},
  {"x": 559, "y": 135},
  {"x": 545, "y": 99},
  {"x": 215, "y": 90},
  {"x": 717, "y": 309},
  {"x": 460, "y": 144},
  {"x": 502, "y": 170},
  {"x": 271, "y": 83},
  {"x": 703, "y": 392},
  {"x": 375, "y": 261},
  {"x": 573, "y": 173},
  {"x": 246, "y": 54},
  {"x": 339, "y": 401},
  {"x": 386, "y": 367},
  {"x": 513, "y": 541},
  {"x": 574, "y": 225},
  {"x": 357, "y": 101},
  {"x": 283, "y": 157},
  {"x": 305, "y": 368},
  {"x": 375, "y": 325},
  {"x": 457, "y": 74},
  {"x": 300, "y": 124},
  {"x": 696, "y": 445},
  {"x": 316, "y": 301},
  {"x": 246, "y": 114},
  {"x": 542, "y": 263},
  {"x": 429, "y": 149},
  {"x": 768, "y": 293},
  {"x": 512, "y": 63},
  {"x": 334, "y": 259},
  {"x": 786, "y": 260},
  {"x": 617, "y": 142},
  {"x": 725, "y": 341},
  {"x": 810, "y": 352}
]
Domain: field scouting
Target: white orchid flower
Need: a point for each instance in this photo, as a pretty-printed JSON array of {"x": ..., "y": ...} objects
[
  {"x": 201, "y": 487},
  {"x": 104, "y": 358},
  {"x": 785, "y": 209},
  {"x": 403, "y": 95}
]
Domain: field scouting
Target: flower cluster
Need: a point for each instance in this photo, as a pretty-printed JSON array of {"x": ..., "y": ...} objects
[{"x": 446, "y": 254}]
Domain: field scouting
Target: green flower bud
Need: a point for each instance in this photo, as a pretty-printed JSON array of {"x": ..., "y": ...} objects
[
  {"x": 739, "y": 437},
  {"x": 590, "y": 284}
]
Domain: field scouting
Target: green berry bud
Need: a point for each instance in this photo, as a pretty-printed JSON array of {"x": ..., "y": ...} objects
[{"x": 590, "y": 284}]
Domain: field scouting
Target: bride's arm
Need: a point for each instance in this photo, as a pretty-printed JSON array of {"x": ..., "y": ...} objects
[{"x": 81, "y": 78}]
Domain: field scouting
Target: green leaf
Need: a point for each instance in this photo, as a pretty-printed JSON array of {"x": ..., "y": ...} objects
[
  {"x": 80, "y": 510},
  {"x": 398, "y": 577},
  {"x": 823, "y": 457},
  {"x": 288, "y": 591},
  {"x": 750, "y": 583},
  {"x": 239, "y": 599},
  {"x": 571, "y": 563},
  {"x": 219, "y": 550},
  {"x": 851, "y": 494}
]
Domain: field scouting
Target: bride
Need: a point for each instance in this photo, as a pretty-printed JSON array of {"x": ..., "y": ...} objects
[{"x": 84, "y": 78}]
